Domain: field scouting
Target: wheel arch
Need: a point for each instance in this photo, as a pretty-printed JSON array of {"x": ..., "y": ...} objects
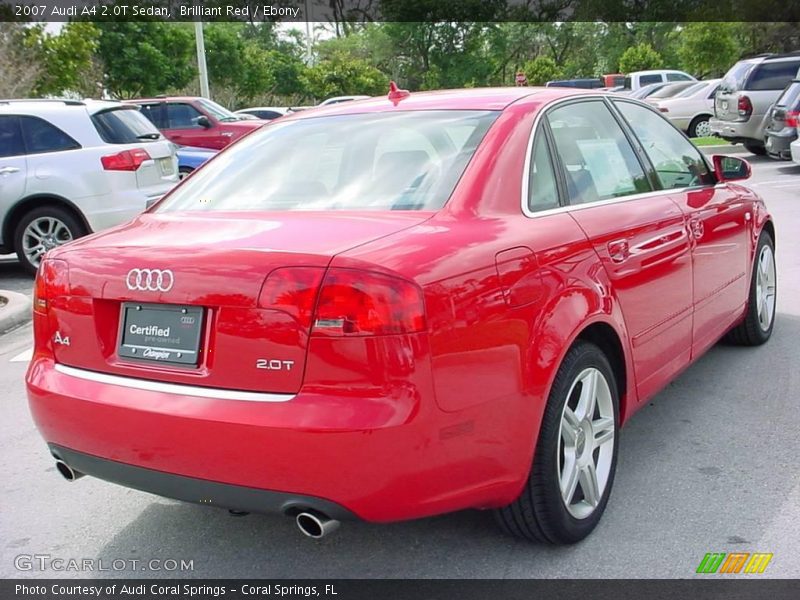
[{"x": 21, "y": 208}]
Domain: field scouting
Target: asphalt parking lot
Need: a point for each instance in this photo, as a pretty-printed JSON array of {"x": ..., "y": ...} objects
[{"x": 708, "y": 466}]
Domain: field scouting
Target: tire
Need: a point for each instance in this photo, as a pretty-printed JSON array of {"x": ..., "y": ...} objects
[
  {"x": 756, "y": 149},
  {"x": 540, "y": 513},
  {"x": 701, "y": 122},
  {"x": 51, "y": 226},
  {"x": 759, "y": 320},
  {"x": 184, "y": 172}
]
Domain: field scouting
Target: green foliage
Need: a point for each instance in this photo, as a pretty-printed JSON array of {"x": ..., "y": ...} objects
[
  {"x": 640, "y": 58},
  {"x": 341, "y": 75},
  {"x": 143, "y": 58},
  {"x": 65, "y": 59},
  {"x": 542, "y": 69},
  {"x": 708, "y": 49}
]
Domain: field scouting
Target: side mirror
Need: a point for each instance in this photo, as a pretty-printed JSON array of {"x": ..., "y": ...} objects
[
  {"x": 731, "y": 168},
  {"x": 203, "y": 121}
]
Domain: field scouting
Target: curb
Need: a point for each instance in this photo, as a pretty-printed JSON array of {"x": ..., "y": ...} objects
[
  {"x": 15, "y": 312},
  {"x": 724, "y": 149}
]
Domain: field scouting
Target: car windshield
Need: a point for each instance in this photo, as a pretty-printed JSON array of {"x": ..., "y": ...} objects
[
  {"x": 374, "y": 161},
  {"x": 220, "y": 113},
  {"x": 734, "y": 78},
  {"x": 691, "y": 90}
]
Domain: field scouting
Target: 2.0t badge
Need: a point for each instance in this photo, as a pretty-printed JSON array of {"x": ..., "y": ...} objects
[{"x": 150, "y": 280}]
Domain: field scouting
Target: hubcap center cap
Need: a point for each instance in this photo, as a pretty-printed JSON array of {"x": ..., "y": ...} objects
[{"x": 580, "y": 442}]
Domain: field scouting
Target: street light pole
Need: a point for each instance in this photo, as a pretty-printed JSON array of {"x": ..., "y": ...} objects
[
  {"x": 308, "y": 34},
  {"x": 201, "y": 59}
]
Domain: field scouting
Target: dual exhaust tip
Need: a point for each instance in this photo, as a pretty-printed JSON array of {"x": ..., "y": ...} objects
[{"x": 313, "y": 524}]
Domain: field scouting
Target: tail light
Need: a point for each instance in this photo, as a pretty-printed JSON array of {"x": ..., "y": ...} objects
[
  {"x": 292, "y": 290},
  {"x": 745, "y": 106},
  {"x": 793, "y": 118},
  {"x": 52, "y": 280},
  {"x": 358, "y": 303},
  {"x": 127, "y": 160},
  {"x": 663, "y": 109}
]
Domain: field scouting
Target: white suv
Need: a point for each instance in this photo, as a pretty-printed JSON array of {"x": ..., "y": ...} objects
[{"x": 68, "y": 168}]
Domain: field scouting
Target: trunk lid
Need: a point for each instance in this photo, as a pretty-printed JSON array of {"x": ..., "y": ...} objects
[{"x": 201, "y": 274}]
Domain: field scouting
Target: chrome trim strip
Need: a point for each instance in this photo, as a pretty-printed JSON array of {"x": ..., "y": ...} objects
[{"x": 172, "y": 388}]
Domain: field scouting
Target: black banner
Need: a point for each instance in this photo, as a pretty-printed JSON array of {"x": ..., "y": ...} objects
[{"x": 392, "y": 589}]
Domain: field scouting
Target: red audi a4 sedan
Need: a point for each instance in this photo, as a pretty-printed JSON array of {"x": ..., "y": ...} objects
[{"x": 402, "y": 307}]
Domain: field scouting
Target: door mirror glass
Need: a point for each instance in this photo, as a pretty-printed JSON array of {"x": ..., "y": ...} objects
[
  {"x": 731, "y": 168},
  {"x": 203, "y": 121}
]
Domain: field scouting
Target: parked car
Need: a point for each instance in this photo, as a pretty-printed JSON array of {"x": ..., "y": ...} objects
[
  {"x": 194, "y": 121},
  {"x": 340, "y": 99},
  {"x": 784, "y": 120},
  {"x": 612, "y": 80},
  {"x": 69, "y": 168},
  {"x": 590, "y": 83},
  {"x": 795, "y": 149},
  {"x": 745, "y": 95},
  {"x": 638, "y": 79},
  {"x": 190, "y": 158},
  {"x": 381, "y": 313},
  {"x": 266, "y": 113},
  {"x": 690, "y": 109}
]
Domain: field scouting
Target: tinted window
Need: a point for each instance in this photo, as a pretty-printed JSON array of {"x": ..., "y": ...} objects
[
  {"x": 773, "y": 75},
  {"x": 542, "y": 190},
  {"x": 40, "y": 136},
  {"x": 678, "y": 77},
  {"x": 790, "y": 96},
  {"x": 598, "y": 160},
  {"x": 155, "y": 114},
  {"x": 267, "y": 115},
  {"x": 124, "y": 126},
  {"x": 371, "y": 161},
  {"x": 648, "y": 79},
  {"x": 676, "y": 160},
  {"x": 183, "y": 116},
  {"x": 734, "y": 78},
  {"x": 10, "y": 137},
  {"x": 626, "y": 84}
]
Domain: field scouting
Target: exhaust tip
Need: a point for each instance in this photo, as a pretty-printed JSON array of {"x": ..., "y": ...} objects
[
  {"x": 67, "y": 472},
  {"x": 316, "y": 526}
]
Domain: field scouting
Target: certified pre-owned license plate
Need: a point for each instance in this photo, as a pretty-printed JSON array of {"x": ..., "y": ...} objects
[{"x": 160, "y": 332}]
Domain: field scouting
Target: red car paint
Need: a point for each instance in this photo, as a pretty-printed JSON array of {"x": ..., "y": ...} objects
[{"x": 398, "y": 425}]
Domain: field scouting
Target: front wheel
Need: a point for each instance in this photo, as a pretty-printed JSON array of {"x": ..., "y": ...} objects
[
  {"x": 756, "y": 327},
  {"x": 576, "y": 455}
]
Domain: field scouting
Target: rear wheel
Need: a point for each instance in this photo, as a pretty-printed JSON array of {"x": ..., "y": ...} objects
[
  {"x": 43, "y": 229},
  {"x": 756, "y": 149},
  {"x": 576, "y": 455},
  {"x": 756, "y": 328},
  {"x": 700, "y": 127}
]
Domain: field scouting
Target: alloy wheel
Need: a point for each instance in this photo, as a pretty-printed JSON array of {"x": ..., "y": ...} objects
[
  {"x": 43, "y": 234},
  {"x": 765, "y": 288}
]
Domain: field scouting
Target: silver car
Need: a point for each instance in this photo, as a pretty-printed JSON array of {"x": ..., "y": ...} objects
[{"x": 745, "y": 95}]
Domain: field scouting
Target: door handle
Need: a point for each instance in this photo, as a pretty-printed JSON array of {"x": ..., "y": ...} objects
[
  {"x": 618, "y": 250},
  {"x": 7, "y": 170}
]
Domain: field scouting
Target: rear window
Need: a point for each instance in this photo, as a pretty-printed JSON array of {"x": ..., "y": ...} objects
[
  {"x": 124, "y": 126},
  {"x": 376, "y": 161},
  {"x": 734, "y": 78},
  {"x": 790, "y": 96},
  {"x": 772, "y": 75},
  {"x": 669, "y": 91}
]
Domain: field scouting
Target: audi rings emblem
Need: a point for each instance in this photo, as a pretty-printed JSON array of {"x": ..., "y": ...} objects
[{"x": 150, "y": 280}]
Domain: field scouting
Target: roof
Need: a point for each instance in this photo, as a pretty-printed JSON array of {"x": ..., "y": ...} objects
[{"x": 49, "y": 106}]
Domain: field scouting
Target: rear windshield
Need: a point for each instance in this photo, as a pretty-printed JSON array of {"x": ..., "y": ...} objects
[
  {"x": 734, "y": 78},
  {"x": 376, "y": 161},
  {"x": 124, "y": 125},
  {"x": 790, "y": 96},
  {"x": 773, "y": 75},
  {"x": 668, "y": 91}
]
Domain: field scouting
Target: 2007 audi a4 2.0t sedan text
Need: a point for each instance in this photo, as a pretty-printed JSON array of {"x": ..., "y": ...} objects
[{"x": 401, "y": 307}]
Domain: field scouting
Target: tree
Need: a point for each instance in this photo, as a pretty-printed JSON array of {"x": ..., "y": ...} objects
[
  {"x": 20, "y": 68},
  {"x": 342, "y": 75},
  {"x": 708, "y": 49},
  {"x": 145, "y": 57},
  {"x": 67, "y": 59},
  {"x": 640, "y": 58},
  {"x": 541, "y": 69}
]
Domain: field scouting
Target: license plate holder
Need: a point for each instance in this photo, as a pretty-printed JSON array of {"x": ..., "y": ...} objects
[{"x": 162, "y": 333}]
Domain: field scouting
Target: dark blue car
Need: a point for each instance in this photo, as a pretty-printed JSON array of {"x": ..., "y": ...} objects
[{"x": 189, "y": 158}]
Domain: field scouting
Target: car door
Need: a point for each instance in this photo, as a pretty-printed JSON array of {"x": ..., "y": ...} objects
[
  {"x": 718, "y": 220},
  {"x": 13, "y": 164},
  {"x": 185, "y": 127},
  {"x": 639, "y": 235}
]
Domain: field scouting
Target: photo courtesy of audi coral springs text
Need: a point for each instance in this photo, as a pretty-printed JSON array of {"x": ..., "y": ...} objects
[{"x": 403, "y": 306}]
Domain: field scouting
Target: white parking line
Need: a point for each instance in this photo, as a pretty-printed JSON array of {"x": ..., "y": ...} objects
[{"x": 23, "y": 356}]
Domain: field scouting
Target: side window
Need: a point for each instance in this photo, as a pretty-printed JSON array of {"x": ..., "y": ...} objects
[
  {"x": 676, "y": 160},
  {"x": 542, "y": 190},
  {"x": 774, "y": 75},
  {"x": 648, "y": 79},
  {"x": 155, "y": 114},
  {"x": 40, "y": 137},
  {"x": 10, "y": 137},
  {"x": 599, "y": 162},
  {"x": 182, "y": 116},
  {"x": 678, "y": 77}
]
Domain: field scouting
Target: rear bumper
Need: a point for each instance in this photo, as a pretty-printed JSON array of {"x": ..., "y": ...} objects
[
  {"x": 778, "y": 143},
  {"x": 740, "y": 132},
  {"x": 389, "y": 457},
  {"x": 198, "y": 491}
]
